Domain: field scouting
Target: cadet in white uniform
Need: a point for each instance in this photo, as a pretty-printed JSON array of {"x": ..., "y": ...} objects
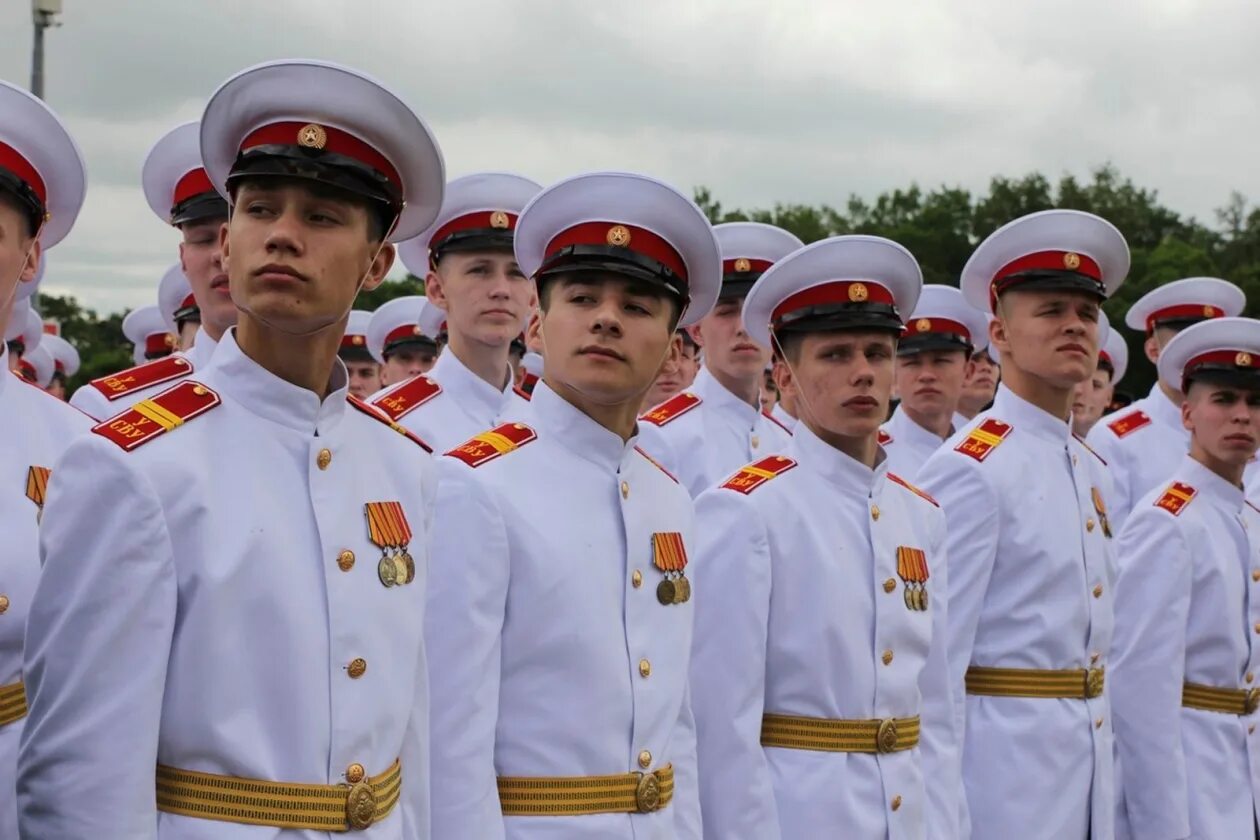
[
  {"x": 1185, "y": 659},
  {"x": 42, "y": 184},
  {"x": 1144, "y": 442},
  {"x": 23, "y": 333},
  {"x": 227, "y": 641},
  {"x": 178, "y": 306},
  {"x": 1029, "y": 542},
  {"x": 180, "y": 194},
  {"x": 473, "y": 277},
  {"x": 933, "y": 356},
  {"x": 65, "y": 363},
  {"x": 819, "y": 674},
  {"x": 1091, "y": 397},
  {"x": 715, "y": 426},
  {"x": 560, "y": 612},
  {"x": 402, "y": 336},
  {"x": 363, "y": 370}
]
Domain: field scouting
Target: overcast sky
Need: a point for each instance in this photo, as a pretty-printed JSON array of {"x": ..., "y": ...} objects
[{"x": 763, "y": 102}]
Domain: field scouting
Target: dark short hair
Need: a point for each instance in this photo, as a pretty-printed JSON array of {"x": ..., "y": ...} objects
[
  {"x": 638, "y": 287},
  {"x": 20, "y": 207},
  {"x": 380, "y": 215}
]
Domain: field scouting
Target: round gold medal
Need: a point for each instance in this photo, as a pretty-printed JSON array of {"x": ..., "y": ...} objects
[
  {"x": 387, "y": 571},
  {"x": 665, "y": 592}
]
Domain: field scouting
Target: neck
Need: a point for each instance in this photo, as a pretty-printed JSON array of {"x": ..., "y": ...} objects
[
  {"x": 618, "y": 418},
  {"x": 303, "y": 360},
  {"x": 1175, "y": 397},
  {"x": 748, "y": 390},
  {"x": 488, "y": 362},
  {"x": 1228, "y": 470},
  {"x": 863, "y": 449},
  {"x": 1050, "y": 398},
  {"x": 214, "y": 331},
  {"x": 937, "y": 424},
  {"x": 967, "y": 410}
]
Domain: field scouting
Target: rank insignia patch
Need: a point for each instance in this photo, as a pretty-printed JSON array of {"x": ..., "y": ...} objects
[
  {"x": 984, "y": 438},
  {"x": 487, "y": 446},
  {"x": 1130, "y": 422},
  {"x": 669, "y": 555},
  {"x": 673, "y": 408},
  {"x": 37, "y": 485},
  {"x": 1176, "y": 497},
  {"x": 753, "y": 476},
  {"x": 912, "y": 568},
  {"x": 389, "y": 531}
]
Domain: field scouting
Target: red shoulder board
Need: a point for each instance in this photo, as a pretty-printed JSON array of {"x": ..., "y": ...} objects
[
  {"x": 673, "y": 408},
  {"x": 380, "y": 416},
  {"x": 143, "y": 376},
  {"x": 522, "y": 393},
  {"x": 487, "y": 446},
  {"x": 1176, "y": 497},
  {"x": 884, "y": 438},
  {"x": 775, "y": 421},
  {"x": 158, "y": 415},
  {"x": 751, "y": 477},
  {"x": 1130, "y": 422},
  {"x": 984, "y": 438},
  {"x": 656, "y": 463},
  {"x": 408, "y": 396},
  {"x": 915, "y": 490},
  {"x": 1089, "y": 448}
]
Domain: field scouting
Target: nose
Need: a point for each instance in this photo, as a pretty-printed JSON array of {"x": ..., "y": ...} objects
[
  {"x": 282, "y": 232},
  {"x": 607, "y": 317}
]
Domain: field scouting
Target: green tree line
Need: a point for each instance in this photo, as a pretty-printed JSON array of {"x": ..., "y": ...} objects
[{"x": 940, "y": 226}]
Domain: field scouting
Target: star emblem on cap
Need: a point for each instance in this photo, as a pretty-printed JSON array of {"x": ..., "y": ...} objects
[
  {"x": 858, "y": 292},
  {"x": 742, "y": 264},
  {"x": 1071, "y": 261},
  {"x": 416, "y": 330},
  {"x": 499, "y": 219},
  {"x": 169, "y": 340},
  {"x": 358, "y": 339},
  {"x": 922, "y": 325},
  {"x": 1243, "y": 360},
  {"x": 1209, "y": 311},
  {"x": 618, "y": 235},
  {"x": 312, "y": 136}
]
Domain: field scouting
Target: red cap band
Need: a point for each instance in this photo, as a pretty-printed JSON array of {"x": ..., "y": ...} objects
[
  {"x": 1104, "y": 356},
  {"x": 1183, "y": 311},
  {"x": 837, "y": 291},
  {"x": 28, "y": 370},
  {"x": 188, "y": 302},
  {"x": 1044, "y": 261},
  {"x": 325, "y": 138},
  {"x": 922, "y": 326},
  {"x": 403, "y": 333},
  {"x": 194, "y": 183},
  {"x": 59, "y": 366},
  {"x": 51, "y": 329},
  {"x": 12, "y": 160},
  {"x": 743, "y": 265},
  {"x": 158, "y": 343},
  {"x": 1229, "y": 358},
  {"x": 639, "y": 240},
  {"x": 481, "y": 220},
  {"x": 354, "y": 341}
]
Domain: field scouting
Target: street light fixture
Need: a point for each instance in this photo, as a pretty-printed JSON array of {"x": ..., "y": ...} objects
[{"x": 44, "y": 13}]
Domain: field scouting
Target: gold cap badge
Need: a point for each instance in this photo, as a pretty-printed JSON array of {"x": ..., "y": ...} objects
[
  {"x": 1243, "y": 360},
  {"x": 922, "y": 325},
  {"x": 312, "y": 136},
  {"x": 858, "y": 292},
  {"x": 1071, "y": 261},
  {"x": 742, "y": 264},
  {"x": 1209, "y": 312},
  {"x": 358, "y": 339},
  {"x": 619, "y": 235},
  {"x": 499, "y": 220}
]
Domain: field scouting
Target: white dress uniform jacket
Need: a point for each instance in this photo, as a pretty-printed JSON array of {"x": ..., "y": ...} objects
[
  {"x": 708, "y": 443},
  {"x": 786, "y": 420},
  {"x": 204, "y": 597},
  {"x": 462, "y": 405},
  {"x": 1142, "y": 444},
  {"x": 550, "y": 653},
  {"x": 803, "y": 613},
  {"x": 907, "y": 444},
  {"x": 1029, "y": 588},
  {"x": 35, "y": 428},
  {"x": 1187, "y": 605},
  {"x": 92, "y": 401}
]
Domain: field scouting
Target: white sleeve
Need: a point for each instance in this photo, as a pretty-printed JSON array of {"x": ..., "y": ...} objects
[
  {"x": 98, "y": 639},
  {"x": 1147, "y": 670},
  {"x": 467, "y": 600},
  {"x": 686, "y": 805},
  {"x": 942, "y": 758},
  {"x": 91, "y": 402},
  {"x": 728, "y": 669}
]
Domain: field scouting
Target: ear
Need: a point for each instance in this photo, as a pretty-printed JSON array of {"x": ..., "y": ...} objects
[
  {"x": 1185, "y": 415},
  {"x": 33, "y": 257},
  {"x": 783, "y": 379},
  {"x": 1151, "y": 346},
  {"x": 674, "y": 357},
  {"x": 223, "y": 247},
  {"x": 433, "y": 289},
  {"x": 381, "y": 265},
  {"x": 534, "y": 334},
  {"x": 697, "y": 335},
  {"x": 999, "y": 336}
]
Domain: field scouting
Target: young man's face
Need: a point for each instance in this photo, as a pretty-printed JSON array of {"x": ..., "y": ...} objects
[
  {"x": 728, "y": 351},
  {"x": 202, "y": 260},
  {"x": 930, "y": 382},
  {"x": 1049, "y": 335},
  {"x": 980, "y": 381},
  {"x": 605, "y": 337},
  {"x": 769, "y": 392},
  {"x": 1224, "y": 421},
  {"x": 19, "y": 256},
  {"x": 405, "y": 362},
  {"x": 57, "y": 387},
  {"x": 670, "y": 379},
  {"x": 365, "y": 378},
  {"x": 486, "y": 296},
  {"x": 1089, "y": 400},
  {"x": 298, "y": 256},
  {"x": 842, "y": 379}
]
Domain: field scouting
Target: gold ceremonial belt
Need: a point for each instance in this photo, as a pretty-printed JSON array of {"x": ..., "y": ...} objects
[
  {"x": 1074, "y": 684},
  {"x": 12, "y": 703},
  {"x": 859, "y": 736},
  {"x": 571, "y": 796},
  {"x": 343, "y": 807},
  {"x": 1229, "y": 701}
]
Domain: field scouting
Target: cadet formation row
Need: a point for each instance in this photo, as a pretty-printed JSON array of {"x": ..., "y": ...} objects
[{"x": 617, "y": 598}]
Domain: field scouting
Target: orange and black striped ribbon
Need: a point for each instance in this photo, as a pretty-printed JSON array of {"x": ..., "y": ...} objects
[
  {"x": 37, "y": 485},
  {"x": 912, "y": 564},
  {"x": 668, "y": 552}
]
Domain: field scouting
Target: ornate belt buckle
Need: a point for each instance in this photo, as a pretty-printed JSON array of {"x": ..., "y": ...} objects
[
  {"x": 1094, "y": 681},
  {"x": 886, "y": 737},
  {"x": 360, "y": 806},
  {"x": 1252, "y": 702},
  {"x": 647, "y": 798}
]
